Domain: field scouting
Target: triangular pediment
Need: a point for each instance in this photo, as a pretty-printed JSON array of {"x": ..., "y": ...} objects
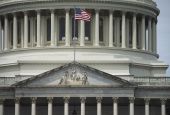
[{"x": 73, "y": 74}]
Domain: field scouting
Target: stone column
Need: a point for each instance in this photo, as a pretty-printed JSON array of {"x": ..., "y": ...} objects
[
  {"x": 17, "y": 106},
  {"x": 66, "y": 105},
  {"x": 127, "y": 32},
  {"x": 150, "y": 34},
  {"x": 99, "y": 105},
  {"x": 52, "y": 27},
  {"x": 6, "y": 30},
  {"x": 1, "y": 107},
  {"x": 163, "y": 106},
  {"x": 15, "y": 33},
  {"x": 123, "y": 29},
  {"x": 83, "y": 101},
  {"x": 96, "y": 41},
  {"x": 67, "y": 28},
  {"x": 38, "y": 28},
  {"x": 134, "y": 37},
  {"x": 111, "y": 28},
  {"x": 50, "y": 105},
  {"x": 82, "y": 32},
  {"x": 32, "y": 32},
  {"x": 143, "y": 33},
  {"x": 25, "y": 29},
  {"x": 154, "y": 35},
  {"x": 33, "y": 106},
  {"x": 115, "y": 105},
  {"x": 131, "y": 101},
  {"x": 1, "y": 41},
  {"x": 147, "y": 106}
]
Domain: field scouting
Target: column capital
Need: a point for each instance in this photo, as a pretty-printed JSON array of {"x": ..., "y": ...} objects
[
  {"x": 163, "y": 101},
  {"x": 67, "y": 9},
  {"x": 99, "y": 99},
  {"x": 66, "y": 99},
  {"x": 97, "y": 10},
  {"x": 147, "y": 100},
  {"x": 115, "y": 99},
  {"x": 131, "y": 99},
  {"x": 52, "y": 10},
  {"x": 25, "y": 12},
  {"x": 83, "y": 99},
  {"x": 17, "y": 99},
  {"x": 50, "y": 99},
  {"x": 124, "y": 12},
  {"x": 33, "y": 99},
  {"x": 111, "y": 10},
  {"x": 38, "y": 11},
  {"x": 14, "y": 13}
]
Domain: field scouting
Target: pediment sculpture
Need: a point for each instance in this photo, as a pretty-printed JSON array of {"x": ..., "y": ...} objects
[{"x": 74, "y": 77}]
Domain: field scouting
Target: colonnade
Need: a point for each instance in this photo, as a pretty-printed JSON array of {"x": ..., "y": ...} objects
[
  {"x": 141, "y": 27},
  {"x": 83, "y": 102}
]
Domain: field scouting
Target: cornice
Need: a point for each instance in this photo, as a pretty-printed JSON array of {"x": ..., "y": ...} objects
[{"x": 138, "y": 7}]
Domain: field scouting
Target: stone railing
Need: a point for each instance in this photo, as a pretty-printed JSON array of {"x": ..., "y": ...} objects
[
  {"x": 150, "y": 2},
  {"x": 150, "y": 80},
  {"x": 7, "y": 81}
]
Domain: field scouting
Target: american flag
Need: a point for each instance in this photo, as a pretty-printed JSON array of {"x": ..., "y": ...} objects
[{"x": 81, "y": 14}]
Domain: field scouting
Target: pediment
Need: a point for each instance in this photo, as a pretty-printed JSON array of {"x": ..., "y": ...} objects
[{"x": 73, "y": 74}]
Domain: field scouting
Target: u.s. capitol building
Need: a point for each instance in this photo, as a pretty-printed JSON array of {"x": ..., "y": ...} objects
[{"x": 116, "y": 69}]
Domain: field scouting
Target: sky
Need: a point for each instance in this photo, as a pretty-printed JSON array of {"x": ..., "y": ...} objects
[{"x": 163, "y": 31}]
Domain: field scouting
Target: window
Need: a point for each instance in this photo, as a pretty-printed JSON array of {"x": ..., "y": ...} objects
[
  {"x": 61, "y": 28},
  {"x": 48, "y": 29},
  {"x": 87, "y": 31},
  {"x": 101, "y": 29}
]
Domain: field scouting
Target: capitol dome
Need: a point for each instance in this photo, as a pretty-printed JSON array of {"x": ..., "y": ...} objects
[{"x": 120, "y": 39}]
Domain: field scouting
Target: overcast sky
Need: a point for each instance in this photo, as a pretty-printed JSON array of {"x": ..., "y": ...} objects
[{"x": 163, "y": 31}]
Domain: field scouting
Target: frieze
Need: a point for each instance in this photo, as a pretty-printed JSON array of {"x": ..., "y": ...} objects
[{"x": 74, "y": 77}]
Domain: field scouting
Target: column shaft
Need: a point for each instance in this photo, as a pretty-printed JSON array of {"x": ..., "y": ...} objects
[
  {"x": 25, "y": 29},
  {"x": 38, "y": 29},
  {"x": 33, "y": 106},
  {"x": 143, "y": 33},
  {"x": 163, "y": 106},
  {"x": 17, "y": 106},
  {"x": 131, "y": 101},
  {"x": 134, "y": 38},
  {"x": 67, "y": 28},
  {"x": 150, "y": 35},
  {"x": 96, "y": 41},
  {"x": 6, "y": 36},
  {"x": 111, "y": 29},
  {"x": 1, "y": 41},
  {"x": 127, "y": 33},
  {"x": 123, "y": 29},
  {"x": 15, "y": 33},
  {"x": 83, "y": 99},
  {"x": 82, "y": 33},
  {"x": 50, "y": 106},
  {"x": 115, "y": 106},
  {"x": 66, "y": 105},
  {"x": 154, "y": 37},
  {"x": 52, "y": 28},
  {"x": 99, "y": 105},
  {"x": 32, "y": 32},
  {"x": 1, "y": 107},
  {"x": 147, "y": 106}
]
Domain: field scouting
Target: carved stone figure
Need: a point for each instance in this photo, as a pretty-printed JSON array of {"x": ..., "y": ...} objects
[{"x": 75, "y": 78}]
